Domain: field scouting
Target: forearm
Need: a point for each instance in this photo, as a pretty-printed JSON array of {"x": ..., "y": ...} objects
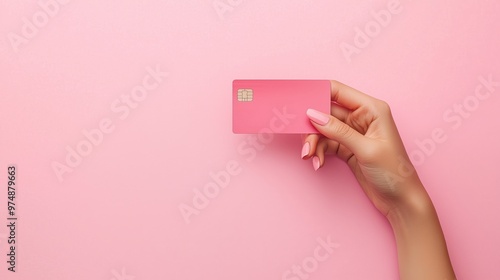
[{"x": 422, "y": 251}]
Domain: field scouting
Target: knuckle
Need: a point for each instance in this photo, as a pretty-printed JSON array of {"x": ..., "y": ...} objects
[
  {"x": 383, "y": 106},
  {"x": 342, "y": 130}
]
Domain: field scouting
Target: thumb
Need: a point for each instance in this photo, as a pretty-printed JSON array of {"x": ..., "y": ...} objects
[{"x": 334, "y": 129}]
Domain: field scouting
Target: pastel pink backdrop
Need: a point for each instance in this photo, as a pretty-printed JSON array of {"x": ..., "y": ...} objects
[{"x": 116, "y": 215}]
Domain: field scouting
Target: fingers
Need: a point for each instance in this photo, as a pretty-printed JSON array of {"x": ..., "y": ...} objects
[
  {"x": 321, "y": 149},
  {"x": 316, "y": 147},
  {"x": 327, "y": 146},
  {"x": 348, "y": 97},
  {"x": 309, "y": 148},
  {"x": 345, "y": 101},
  {"x": 334, "y": 129},
  {"x": 339, "y": 112},
  {"x": 309, "y": 145}
]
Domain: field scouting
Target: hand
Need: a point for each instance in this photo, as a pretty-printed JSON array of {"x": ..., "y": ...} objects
[{"x": 362, "y": 132}]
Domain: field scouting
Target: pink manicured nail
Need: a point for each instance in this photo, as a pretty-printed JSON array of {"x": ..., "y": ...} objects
[
  {"x": 316, "y": 163},
  {"x": 317, "y": 116},
  {"x": 305, "y": 149}
]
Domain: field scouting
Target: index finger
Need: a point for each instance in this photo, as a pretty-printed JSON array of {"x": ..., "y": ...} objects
[
  {"x": 347, "y": 96},
  {"x": 309, "y": 144}
]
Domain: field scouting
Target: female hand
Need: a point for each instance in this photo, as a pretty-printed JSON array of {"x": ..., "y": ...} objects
[{"x": 362, "y": 132}]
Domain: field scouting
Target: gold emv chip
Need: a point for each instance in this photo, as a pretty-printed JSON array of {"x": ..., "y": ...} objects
[{"x": 245, "y": 94}]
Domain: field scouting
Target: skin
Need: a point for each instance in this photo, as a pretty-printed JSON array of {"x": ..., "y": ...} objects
[{"x": 361, "y": 131}]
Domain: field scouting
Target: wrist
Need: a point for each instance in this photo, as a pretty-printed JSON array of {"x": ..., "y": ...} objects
[
  {"x": 422, "y": 252},
  {"x": 414, "y": 204}
]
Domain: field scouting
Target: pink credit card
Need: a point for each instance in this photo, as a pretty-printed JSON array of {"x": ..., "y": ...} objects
[{"x": 278, "y": 106}]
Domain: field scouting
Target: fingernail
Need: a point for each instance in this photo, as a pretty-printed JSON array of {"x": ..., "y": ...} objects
[
  {"x": 305, "y": 149},
  {"x": 316, "y": 163},
  {"x": 317, "y": 116}
]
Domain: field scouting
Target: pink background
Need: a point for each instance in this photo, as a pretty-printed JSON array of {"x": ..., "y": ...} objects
[{"x": 116, "y": 215}]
